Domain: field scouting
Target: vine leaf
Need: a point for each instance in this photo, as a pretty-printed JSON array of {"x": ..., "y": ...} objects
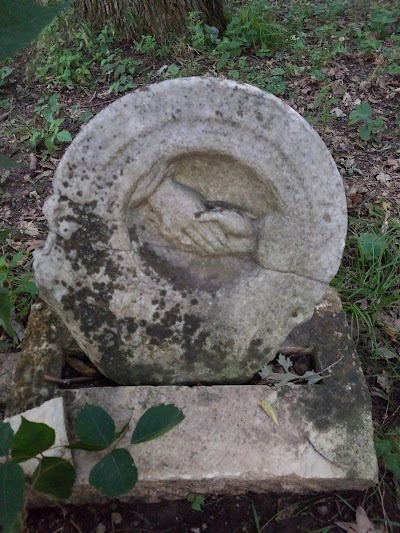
[
  {"x": 31, "y": 439},
  {"x": 115, "y": 474},
  {"x": 156, "y": 421},
  {"x": 94, "y": 427},
  {"x": 12, "y": 482},
  {"x": 54, "y": 476}
]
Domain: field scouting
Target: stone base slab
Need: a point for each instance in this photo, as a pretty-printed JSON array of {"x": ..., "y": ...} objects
[{"x": 228, "y": 445}]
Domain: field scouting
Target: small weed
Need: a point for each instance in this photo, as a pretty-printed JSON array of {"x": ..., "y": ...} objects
[
  {"x": 17, "y": 290},
  {"x": 5, "y": 73},
  {"x": 84, "y": 56},
  {"x": 368, "y": 279},
  {"x": 146, "y": 45},
  {"x": 51, "y": 134},
  {"x": 251, "y": 26},
  {"x": 387, "y": 447},
  {"x": 322, "y": 106},
  {"x": 196, "y": 501},
  {"x": 362, "y": 113}
]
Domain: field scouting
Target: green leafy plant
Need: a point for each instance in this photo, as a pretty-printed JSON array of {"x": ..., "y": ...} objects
[
  {"x": 51, "y": 134},
  {"x": 362, "y": 113},
  {"x": 17, "y": 290},
  {"x": 368, "y": 277},
  {"x": 146, "y": 45},
  {"x": 387, "y": 449},
  {"x": 252, "y": 25},
  {"x": 113, "y": 475},
  {"x": 196, "y": 501},
  {"x": 5, "y": 73}
]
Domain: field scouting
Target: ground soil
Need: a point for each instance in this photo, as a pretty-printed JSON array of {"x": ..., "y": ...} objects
[{"x": 275, "y": 514}]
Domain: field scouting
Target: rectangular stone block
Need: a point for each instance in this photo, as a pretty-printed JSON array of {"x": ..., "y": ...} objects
[{"x": 228, "y": 445}]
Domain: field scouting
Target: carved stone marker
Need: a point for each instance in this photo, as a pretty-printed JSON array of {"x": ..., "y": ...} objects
[{"x": 194, "y": 223}]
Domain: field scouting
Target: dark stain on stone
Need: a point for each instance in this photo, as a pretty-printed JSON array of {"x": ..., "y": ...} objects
[{"x": 178, "y": 277}]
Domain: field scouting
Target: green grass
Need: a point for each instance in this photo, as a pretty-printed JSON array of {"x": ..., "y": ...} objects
[
  {"x": 17, "y": 290},
  {"x": 369, "y": 277}
]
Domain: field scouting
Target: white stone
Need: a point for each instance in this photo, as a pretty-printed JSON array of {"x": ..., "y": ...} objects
[
  {"x": 51, "y": 413},
  {"x": 194, "y": 223}
]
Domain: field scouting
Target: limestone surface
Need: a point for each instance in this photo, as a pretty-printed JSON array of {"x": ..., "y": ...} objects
[{"x": 194, "y": 223}]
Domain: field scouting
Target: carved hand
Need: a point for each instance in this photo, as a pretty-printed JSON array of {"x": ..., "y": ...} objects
[{"x": 182, "y": 218}]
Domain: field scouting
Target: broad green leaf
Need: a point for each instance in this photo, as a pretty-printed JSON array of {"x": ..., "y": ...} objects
[
  {"x": 392, "y": 463},
  {"x": 371, "y": 245},
  {"x": 64, "y": 136},
  {"x": 4, "y": 347},
  {"x": 12, "y": 482},
  {"x": 5, "y": 104},
  {"x": 115, "y": 474},
  {"x": 54, "y": 476},
  {"x": 5, "y": 312},
  {"x": 7, "y": 163},
  {"x": 94, "y": 426},
  {"x": 49, "y": 144},
  {"x": 173, "y": 70},
  {"x": 48, "y": 114},
  {"x": 382, "y": 446},
  {"x": 23, "y": 22},
  {"x": 54, "y": 103},
  {"x": 4, "y": 233},
  {"x": 266, "y": 405},
  {"x": 16, "y": 258},
  {"x": 156, "y": 421},
  {"x": 31, "y": 439},
  {"x": 27, "y": 286},
  {"x": 6, "y": 436},
  {"x": 361, "y": 113},
  {"x": 365, "y": 132},
  {"x": 85, "y": 116}
]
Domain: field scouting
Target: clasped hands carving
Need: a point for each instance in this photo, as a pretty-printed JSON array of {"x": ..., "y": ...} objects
[{"x": 186, "y": 220}]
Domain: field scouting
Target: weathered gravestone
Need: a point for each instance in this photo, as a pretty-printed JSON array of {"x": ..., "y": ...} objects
[
  {"x": 194, "y": 223},
  {"x": 194, "y": 228}
]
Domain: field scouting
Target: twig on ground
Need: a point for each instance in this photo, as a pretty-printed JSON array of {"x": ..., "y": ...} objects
[{"x": 66, "y": 381}]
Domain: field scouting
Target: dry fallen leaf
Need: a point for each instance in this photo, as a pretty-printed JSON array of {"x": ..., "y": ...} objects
[
  {"x": 382, "y": 177},
  {"x": 82, "y": 368},
  {"x": 28, "y": 228},
  {"x": 384, "y": 381},
  {"x": 363, "y": 524},
  {"x": 265, "y": 404},
  {"x": 337, "y": 112},
  {"x": 33, "y": 245}
]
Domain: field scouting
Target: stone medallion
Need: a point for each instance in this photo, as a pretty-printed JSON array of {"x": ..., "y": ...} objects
[{"x": 194, "y": 223}]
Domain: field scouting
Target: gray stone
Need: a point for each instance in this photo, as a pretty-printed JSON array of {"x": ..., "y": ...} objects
[
  {"x": 228, "y": 445},
  {"x": 8, "y": 365},
  {"x": 46, "y": 343},
  {"x": 194, "y": 223}
]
